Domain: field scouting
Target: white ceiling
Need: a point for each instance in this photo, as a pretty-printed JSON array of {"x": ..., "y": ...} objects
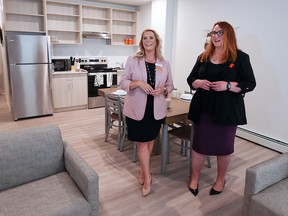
[{"x": 125, "y": 2}]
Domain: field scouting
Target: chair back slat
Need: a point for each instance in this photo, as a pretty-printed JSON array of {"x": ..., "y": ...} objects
[{"x": 113, "y": 104}]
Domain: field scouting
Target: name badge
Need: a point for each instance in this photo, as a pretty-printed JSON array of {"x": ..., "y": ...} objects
[{"x": 159, "y": 67}]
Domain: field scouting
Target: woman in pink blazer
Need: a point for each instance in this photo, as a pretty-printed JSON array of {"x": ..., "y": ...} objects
[{"x": 147, "y": 79}]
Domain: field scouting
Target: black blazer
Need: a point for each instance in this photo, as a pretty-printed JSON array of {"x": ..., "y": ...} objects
[{"x": 229, "y": 106}]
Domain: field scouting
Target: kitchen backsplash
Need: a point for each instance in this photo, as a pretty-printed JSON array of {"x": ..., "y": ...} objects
[{"x": 116, "y": 55}]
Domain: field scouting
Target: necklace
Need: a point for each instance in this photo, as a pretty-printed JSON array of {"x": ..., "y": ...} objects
[
  {"x": 150, "y": 59},
  {"x": 216, "y": 57},
  {"x": 150, "y": 74},
  {"x": 215, "y": 61}
]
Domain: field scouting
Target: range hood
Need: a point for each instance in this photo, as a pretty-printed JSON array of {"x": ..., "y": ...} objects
[{"x": 98, "y": 35}]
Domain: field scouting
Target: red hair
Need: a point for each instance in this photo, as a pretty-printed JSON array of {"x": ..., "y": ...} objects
[{"x": 229, "y": 44}]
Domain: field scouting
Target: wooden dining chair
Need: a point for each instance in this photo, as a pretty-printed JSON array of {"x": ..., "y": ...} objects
[
  {"x": 124, "y": 134},
  {"x": 124, "y": 128},
  {"x": 113, "y": 116},
  {"x": 181, "y": 136}
]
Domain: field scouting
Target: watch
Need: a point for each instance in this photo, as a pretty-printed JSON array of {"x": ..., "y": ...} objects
[
  {"x": 228, "y": 86},
  {"x": 165, "y": 91}
]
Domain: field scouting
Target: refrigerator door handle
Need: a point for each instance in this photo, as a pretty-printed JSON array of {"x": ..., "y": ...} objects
[
  {"x": 49, "y": 49},
  {"x": 50, "y": 74}
]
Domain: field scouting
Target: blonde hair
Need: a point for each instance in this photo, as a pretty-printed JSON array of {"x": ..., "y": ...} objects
[
  {"x": 229, "y": 44},
  {"x": 158, "y": 50}
]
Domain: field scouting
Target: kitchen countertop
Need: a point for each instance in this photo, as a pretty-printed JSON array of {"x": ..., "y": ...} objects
[
  {"x": 73, "y": 72},
  {"x": 70, "y": 72}
]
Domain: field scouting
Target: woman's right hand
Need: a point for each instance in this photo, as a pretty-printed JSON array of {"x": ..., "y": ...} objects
[
  {"x": 204, "y": 84},
  {"x": 145, "y": 87}
]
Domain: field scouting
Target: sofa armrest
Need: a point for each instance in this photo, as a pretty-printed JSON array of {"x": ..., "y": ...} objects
[
  {"x": 84, "y": 176},
  {"x": 263, "y": 175}
]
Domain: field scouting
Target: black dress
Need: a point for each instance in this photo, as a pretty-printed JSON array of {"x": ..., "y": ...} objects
[
  {"x": 210, "y": 138},
  {"x": 148, "y": 128}
]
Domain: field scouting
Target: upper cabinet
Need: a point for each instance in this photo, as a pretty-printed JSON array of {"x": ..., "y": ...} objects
[
  {"x": 124, "y": 27},
  {"x": 68, "y": 23},
  {"x": 24, "y": 16},
  {"x": 117, "y": 24},
  {"x": 96, "y": 19},
  {"x": 63, "y": 22}
]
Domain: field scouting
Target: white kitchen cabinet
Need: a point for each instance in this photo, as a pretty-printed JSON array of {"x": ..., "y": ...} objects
[
  {"x": 69, "y": 91},
  {"x": 96, "y": 19},
  {"x": 24, "y": 16},
  {"x": 124, "y": 26},
  {"x": 63, "y": 22}
]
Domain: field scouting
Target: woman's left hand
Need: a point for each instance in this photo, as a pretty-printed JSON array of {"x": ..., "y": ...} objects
[
  {"x": 219, "y": 86},
  {"x": 157, "y": 91}
]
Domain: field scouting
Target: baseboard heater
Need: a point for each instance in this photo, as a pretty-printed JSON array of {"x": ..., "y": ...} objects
[{"x": 262, "y": 140}]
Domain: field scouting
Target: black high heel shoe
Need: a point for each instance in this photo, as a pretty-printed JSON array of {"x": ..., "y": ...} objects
[
  {"x": 214, "y": 192},
  {"x": 193, "y": 191}
]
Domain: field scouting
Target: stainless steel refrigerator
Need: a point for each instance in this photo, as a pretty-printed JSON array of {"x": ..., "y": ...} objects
[{"x": 30, "y": 70}]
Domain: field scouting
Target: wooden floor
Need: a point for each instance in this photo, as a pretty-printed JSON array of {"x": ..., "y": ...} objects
[{"x": 119, "y": 189}]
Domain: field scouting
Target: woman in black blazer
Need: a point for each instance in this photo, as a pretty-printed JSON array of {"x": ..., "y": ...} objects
[{"x": 221, "y": 77}]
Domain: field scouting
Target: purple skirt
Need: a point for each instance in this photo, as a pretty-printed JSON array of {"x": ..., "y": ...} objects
[{"x": 213, "y": 139}]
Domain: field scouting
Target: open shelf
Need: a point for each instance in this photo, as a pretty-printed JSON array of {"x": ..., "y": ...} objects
[
  {"x": 124, "y": 26},
  {"x": 24, "y": 16},
  {"x": 63, "y": 22}
]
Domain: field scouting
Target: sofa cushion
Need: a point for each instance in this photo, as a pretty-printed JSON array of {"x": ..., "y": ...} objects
[
  {"x": 271, "y": 201},
  {"x": 54, "y": 195},
  {"x": 30, "y": 154}
]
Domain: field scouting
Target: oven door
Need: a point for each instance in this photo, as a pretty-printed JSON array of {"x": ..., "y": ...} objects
[{"x": 97, "y": 81}]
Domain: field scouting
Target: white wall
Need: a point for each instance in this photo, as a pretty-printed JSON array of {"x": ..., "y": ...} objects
[
  {"x": 262, "y": 33},
  {"x": 158, "y": 19},
  {"x": 1, "y": 52},
  {"x": 162, "y": 20},
  {"x": 170, "y": 23},
  {"x": 4, "y": 80},
  {"x": 144, "y": 19}
]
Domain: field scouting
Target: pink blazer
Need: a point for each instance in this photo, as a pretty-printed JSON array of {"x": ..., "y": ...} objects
[{"x": 136, "y": 99}]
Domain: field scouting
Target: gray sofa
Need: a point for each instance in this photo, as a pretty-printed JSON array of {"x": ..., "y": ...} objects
[
  {"x": 266, "y": 188},
  {"x": 41, "y": 175}
]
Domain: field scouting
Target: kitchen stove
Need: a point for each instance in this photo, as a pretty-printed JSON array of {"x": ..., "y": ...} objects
[{"x": 99, "y": 76}]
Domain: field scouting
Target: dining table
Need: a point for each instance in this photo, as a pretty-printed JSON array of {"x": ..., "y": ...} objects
[
  {"x": 176, "y": 113},
  {"x": 102, "y": 91}
]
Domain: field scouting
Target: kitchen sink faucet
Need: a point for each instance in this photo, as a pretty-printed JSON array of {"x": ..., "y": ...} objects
[{"x": 121, "y": 65}]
